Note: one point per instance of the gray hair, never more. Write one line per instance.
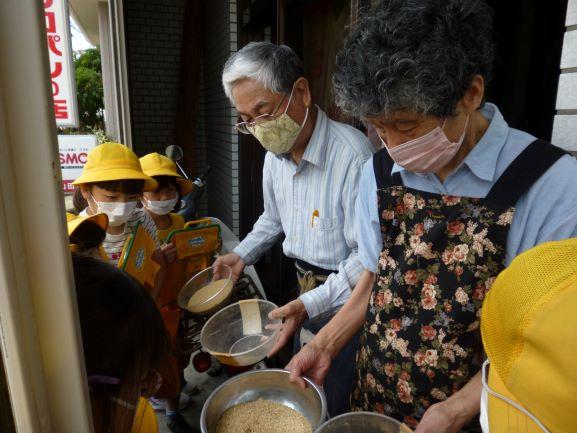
(275, 67)
(414, 55)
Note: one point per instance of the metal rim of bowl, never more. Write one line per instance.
(275, 333)
(364, 413)
(310, 383)
(229, 278)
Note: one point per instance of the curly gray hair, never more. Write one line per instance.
(414, 55)
(274, 66)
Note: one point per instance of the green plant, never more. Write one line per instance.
(89, 89)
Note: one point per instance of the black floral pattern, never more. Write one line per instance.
(420, 342)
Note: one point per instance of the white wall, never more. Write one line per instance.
(565, 125)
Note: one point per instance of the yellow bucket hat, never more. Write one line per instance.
(155, 164)
(75, 221)
(113, 161)
(529, 329)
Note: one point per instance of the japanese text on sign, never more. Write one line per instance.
(61, 68)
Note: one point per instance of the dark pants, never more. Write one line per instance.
(339, 382)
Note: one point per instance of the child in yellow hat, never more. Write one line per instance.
(161, 205)
(86, 234)
(528, 326)
(112, 182)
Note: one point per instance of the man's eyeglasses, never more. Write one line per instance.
(245, 127)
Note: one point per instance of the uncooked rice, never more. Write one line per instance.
(262, 416)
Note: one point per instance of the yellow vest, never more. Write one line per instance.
(177, 224)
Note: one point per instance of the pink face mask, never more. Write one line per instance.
(427, 154)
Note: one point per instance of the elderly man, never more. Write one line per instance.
(310, 178)
(452, 199)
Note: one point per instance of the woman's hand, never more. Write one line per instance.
(451, 415)
(312, 361)
(440, 418)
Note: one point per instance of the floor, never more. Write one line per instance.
(206, 384)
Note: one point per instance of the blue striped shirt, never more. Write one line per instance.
(313, 204)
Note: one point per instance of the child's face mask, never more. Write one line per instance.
(160, 207)
(118, 212)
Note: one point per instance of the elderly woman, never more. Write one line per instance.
(452, 198)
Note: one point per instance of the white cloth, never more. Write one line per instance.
(113, 244)
(314, 205)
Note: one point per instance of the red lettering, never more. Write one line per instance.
(61, 159)
(60, 109)
(50, 22)
(52, 39)
(48, 3)
(55, 88)
(82, 158)
(57, 70)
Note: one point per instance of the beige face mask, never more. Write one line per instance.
(279, 135)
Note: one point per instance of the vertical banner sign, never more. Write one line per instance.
(73, 153)
(62, 76)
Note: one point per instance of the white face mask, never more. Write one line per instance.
(484, 416)
(118, 212)
(160, 207)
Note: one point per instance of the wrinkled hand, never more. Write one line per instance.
(294, 314)
(312, 361)
(234, 261)
(169, 252)
(444, 417)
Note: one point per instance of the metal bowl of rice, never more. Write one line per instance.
(270, 385)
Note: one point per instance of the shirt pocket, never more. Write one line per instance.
(327, 237)
(324, 224)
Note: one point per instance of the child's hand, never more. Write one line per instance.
(169, 253)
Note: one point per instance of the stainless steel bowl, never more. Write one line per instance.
(269, 384)
(362, 422)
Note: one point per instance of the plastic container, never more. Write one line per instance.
(206, 292)
(241, 334)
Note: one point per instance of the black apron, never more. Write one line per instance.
(421, 340)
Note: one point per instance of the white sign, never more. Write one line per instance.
(62, 76)
(73, 153)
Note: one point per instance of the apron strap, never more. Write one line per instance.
(524, 171)
(382, 166)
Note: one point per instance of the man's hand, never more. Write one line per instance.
(444, 417)
(312, 361)
(234, 261)
(294, 314)
(169, 252)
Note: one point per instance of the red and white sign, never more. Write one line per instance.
(62, 75)
(73, 153)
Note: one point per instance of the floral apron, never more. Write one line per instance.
(421, 342)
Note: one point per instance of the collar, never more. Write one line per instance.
(316, 149)
(482, 160)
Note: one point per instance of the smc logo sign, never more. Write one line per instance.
(73, 158)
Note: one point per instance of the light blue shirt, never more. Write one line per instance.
(313, 204)
(547, 212)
